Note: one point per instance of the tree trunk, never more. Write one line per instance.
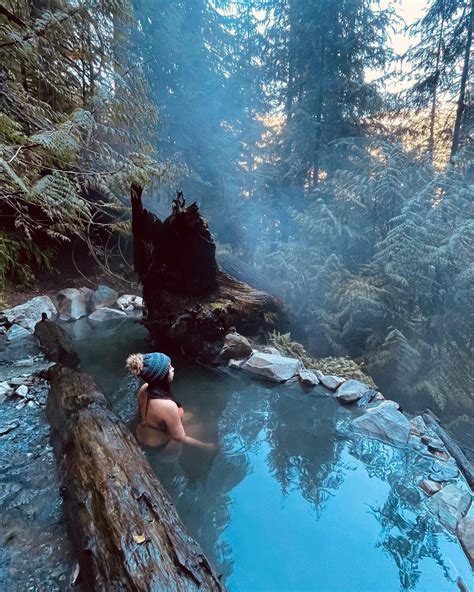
(190, 303)
(125, 530)
(462, 90)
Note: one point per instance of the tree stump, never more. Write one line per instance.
(190, 304)
(124, 528)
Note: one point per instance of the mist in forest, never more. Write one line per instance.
(329, 145)
(325, 144)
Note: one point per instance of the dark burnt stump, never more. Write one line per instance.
(190, 303)
(125, 530)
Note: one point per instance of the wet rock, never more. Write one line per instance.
(449, 505)
(236, 364)
(29, 313)
(383, 422)
(433, 443)
(8, 427)
(272, 367)
(236, 346)
(308, 377)
(415, 442)
(430, 487)
(5, 388)
(73, 303)
(267, 349)
(129, 302)
(444, 471)
(351, 391)
(367, 398)
(418, 426)
(332, 382)
(465, 532)
(22, 391)
(104, 314)
(17, 333)
(102, 297)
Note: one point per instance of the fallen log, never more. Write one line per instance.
(465, 466)
(124, 528)
(190, 304)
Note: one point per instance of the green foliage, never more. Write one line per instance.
(20, 259)
(75, 107)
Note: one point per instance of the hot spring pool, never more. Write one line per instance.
(286, 503)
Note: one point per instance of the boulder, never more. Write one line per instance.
(102, 297)
(235, 364)
(308, 377)
(129, 302)
(351, 391)
(465, 532)
(430, 487)
(272, 367)
(433, 443)
(449, 505)
(73, 303)
(29, 313)
(268, 349)
(332, 382)
(16, 333)
(444, 471)
(418, 426)
(383, 422)
(5, 388)
(22, 391)
(104, 314)
(236, 346)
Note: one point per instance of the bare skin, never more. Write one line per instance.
(160, 413)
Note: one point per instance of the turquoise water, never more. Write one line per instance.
(286, 503)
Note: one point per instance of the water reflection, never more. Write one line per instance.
(284, 484)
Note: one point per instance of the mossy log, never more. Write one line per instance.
(190, 304)
(124, 528)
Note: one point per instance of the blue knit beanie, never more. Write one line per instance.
(155, 367)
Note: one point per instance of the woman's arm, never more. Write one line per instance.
(177, 432)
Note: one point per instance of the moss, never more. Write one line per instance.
(270, 318)
(219, 305)
(342, 366)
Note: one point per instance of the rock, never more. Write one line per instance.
(383, 422)
(5, 388)
(56, 343)
(433, 443)
(332, 382)
(449, 505)
(430, 487)
(27, 314)
(367, 397)
(5, 429)
(351, 391)
(236, 346)
(418, 426)
(308, 377)
(465, 532)
(276, 368)
(102, 297)
(22, 391)
(268, 349)
(17, 333)
(444, 471)
(129, 302)
(379, 397)
(104, 314)
(73, 303)
(236, 364)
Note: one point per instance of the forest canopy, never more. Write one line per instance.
(334, 169)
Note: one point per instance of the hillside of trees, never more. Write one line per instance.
(328, 164)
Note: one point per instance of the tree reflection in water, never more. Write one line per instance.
(408, 531)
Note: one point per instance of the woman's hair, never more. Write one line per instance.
(134, 364)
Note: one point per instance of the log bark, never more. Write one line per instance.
(190, 303)
(466, 467)
(124, 528)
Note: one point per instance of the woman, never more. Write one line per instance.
(160, 422)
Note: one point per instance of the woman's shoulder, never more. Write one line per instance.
(164, 404)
